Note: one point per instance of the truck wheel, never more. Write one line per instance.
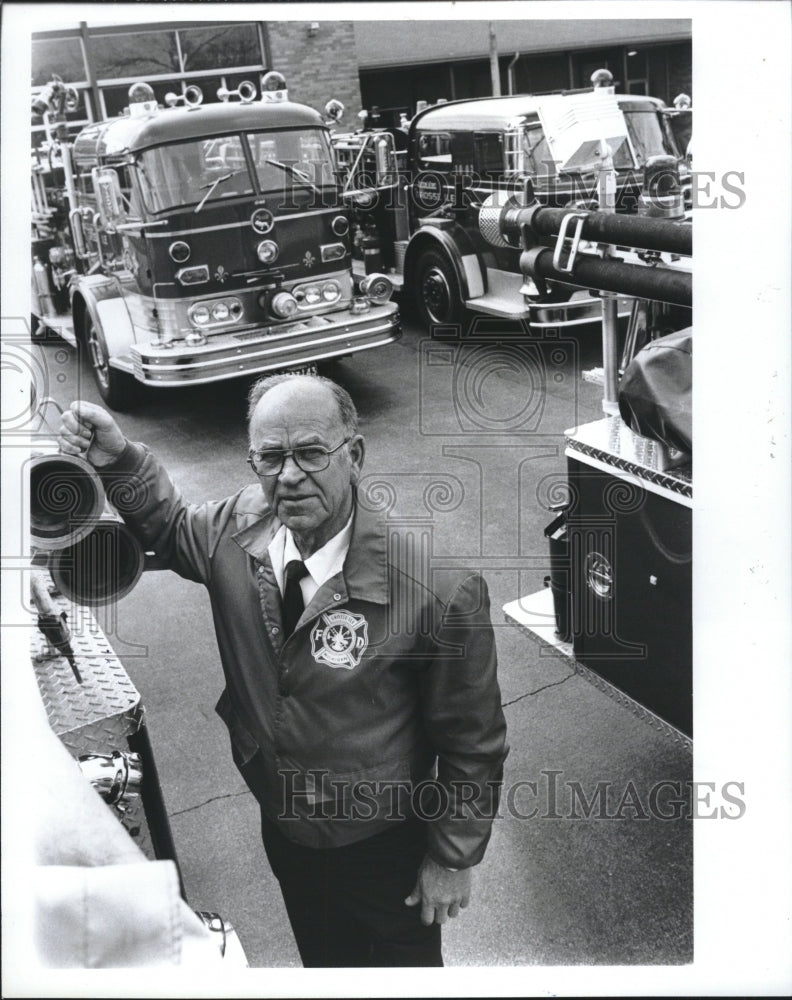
(118, 389)
(438, 297)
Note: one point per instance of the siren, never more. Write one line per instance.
(246, 92)
(56, 97)
(100, 568)
(92, 555)
(66, 500)
(192, 97)
(66, 496)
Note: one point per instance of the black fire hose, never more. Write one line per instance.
(609, 275)
(640, 231)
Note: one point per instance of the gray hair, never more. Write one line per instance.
(346, 408)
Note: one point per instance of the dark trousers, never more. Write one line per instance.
(346, 904)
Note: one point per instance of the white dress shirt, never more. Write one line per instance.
(323, 564)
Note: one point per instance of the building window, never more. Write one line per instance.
(136, 54)
(219, 47)
(62, 56)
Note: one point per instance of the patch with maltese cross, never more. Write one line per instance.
(339, 639)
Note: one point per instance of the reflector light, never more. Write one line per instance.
(217, 313)
(193, 275)
(332, 251)
(200, 314)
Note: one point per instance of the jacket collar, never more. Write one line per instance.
(365, 567)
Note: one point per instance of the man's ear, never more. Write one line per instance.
(357, 452)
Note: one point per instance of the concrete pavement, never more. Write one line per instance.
(486, 421)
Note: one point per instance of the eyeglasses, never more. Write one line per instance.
(308, 457)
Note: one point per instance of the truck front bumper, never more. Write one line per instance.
(291, 345)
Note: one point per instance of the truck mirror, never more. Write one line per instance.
(108, 196)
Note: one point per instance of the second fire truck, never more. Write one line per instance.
(424, 196)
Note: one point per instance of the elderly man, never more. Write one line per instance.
(362, 702)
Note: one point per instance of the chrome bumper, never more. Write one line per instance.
(290, 345)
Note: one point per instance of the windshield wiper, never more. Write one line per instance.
(212, 185)
(294, 172)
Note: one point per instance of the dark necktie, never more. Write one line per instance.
(293, 604)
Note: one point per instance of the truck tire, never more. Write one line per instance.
(119, 390)
(438, 297)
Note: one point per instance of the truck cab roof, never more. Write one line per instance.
(126, 134)
(493, 113)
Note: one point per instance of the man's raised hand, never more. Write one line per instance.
(90, 432)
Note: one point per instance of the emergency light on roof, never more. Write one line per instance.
(334, 110)
(141, 99)
(602, 78)
(273, 87)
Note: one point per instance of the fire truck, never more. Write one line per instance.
(196, 242)
(425, 196)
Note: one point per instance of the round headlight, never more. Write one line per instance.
(340, 225)
(284, 305)
(313, 295)
(267, 251)
(179, 252)
(331, 291)
(200, 314)
(220, 312)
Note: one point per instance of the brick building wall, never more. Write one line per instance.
(318, 66)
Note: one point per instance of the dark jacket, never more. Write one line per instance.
(384, 679)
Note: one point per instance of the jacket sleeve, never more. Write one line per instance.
(182, 535)
(465, 722)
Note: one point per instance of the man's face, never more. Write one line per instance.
(313, 505)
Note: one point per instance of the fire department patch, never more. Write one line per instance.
(339, 639)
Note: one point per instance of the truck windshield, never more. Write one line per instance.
(189, 173)
(646, 132)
